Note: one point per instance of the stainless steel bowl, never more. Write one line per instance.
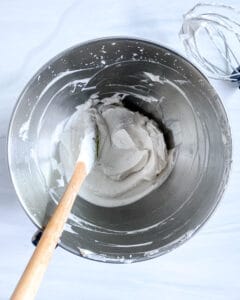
(188, 110)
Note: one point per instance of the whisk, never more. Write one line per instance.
(211, 35)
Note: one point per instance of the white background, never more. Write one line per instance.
(207, 266)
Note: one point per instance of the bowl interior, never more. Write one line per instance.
(186, 108)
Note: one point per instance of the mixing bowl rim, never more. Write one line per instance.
(222, 188)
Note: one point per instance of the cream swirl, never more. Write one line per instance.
(132, 155)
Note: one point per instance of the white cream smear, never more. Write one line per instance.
(132, 157)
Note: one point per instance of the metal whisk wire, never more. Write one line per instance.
(220, 24)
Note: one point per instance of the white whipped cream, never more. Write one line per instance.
(132, 158)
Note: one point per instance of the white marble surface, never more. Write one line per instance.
(207, 266)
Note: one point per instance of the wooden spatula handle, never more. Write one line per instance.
(28, 284)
